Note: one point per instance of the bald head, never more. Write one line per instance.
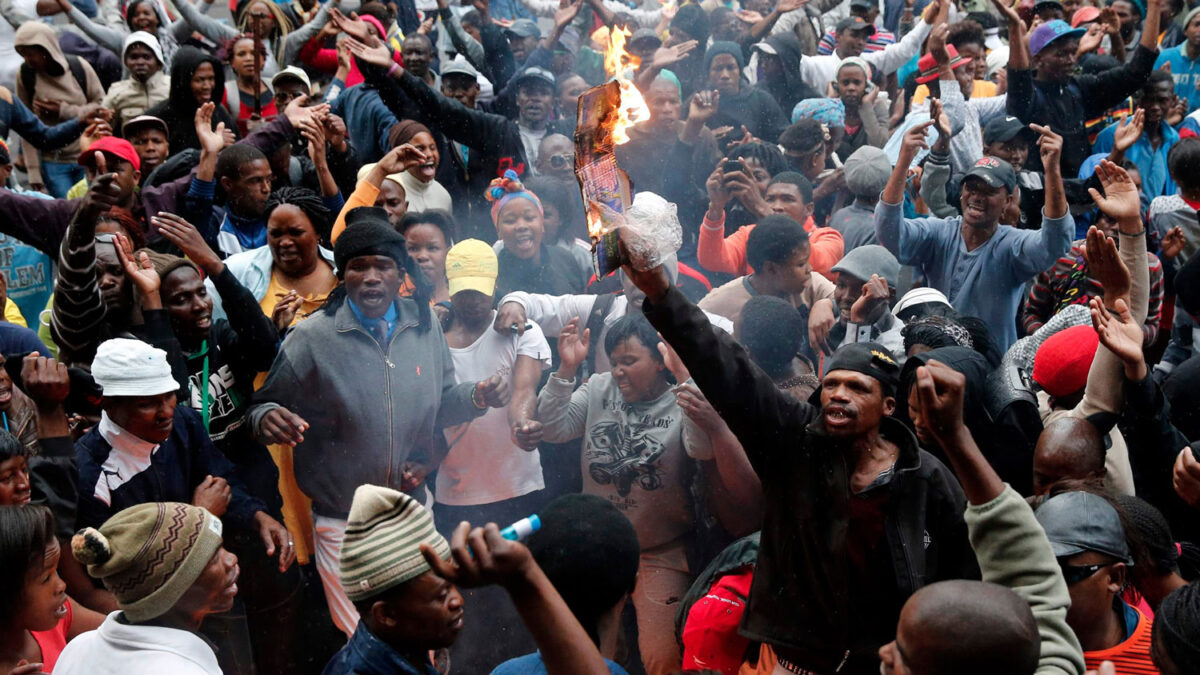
(1068, 448)
(955, 627)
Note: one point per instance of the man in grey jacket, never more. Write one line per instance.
(362, 390)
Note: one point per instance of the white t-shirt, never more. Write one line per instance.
(531, 139)
(118, 648)
(483, 465)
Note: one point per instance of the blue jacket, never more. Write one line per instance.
(15, 116)
(367, 121)
(1185, 71)
(366, 654)
(1151, 162)
(178, 465)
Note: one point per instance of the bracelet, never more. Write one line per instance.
(1136, 234)
(478, 399)
(392, 71)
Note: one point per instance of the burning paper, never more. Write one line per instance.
(605, 114)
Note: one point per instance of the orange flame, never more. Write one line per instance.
(595, 225)
(619, 64)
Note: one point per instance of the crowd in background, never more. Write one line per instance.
(300, 314)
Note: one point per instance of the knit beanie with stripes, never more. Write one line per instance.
(383, 537)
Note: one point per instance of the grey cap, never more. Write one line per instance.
(524, 28)
(867, 171)
(535, 73)
(1077, 522)
(869, 259)
(459, 67)
(645, 34)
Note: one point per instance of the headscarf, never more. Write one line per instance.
(403, 132)
(856, 61)
(503, 190)
(830, 112)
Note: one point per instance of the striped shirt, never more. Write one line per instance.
(1132, 655)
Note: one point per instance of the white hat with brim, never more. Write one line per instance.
(126, 367)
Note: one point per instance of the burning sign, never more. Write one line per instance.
(604, 117)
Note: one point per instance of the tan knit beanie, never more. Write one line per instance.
(382, 545)
(149, 554)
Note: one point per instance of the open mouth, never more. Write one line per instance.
(457, 622)
(836, 417)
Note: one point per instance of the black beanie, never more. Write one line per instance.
(368, 234)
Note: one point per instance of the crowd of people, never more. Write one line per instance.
(306, 366)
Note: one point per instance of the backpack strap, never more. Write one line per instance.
(77, 72)
(595, 322)
(28, 80)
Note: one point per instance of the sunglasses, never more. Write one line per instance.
(562, 161)
(1074, 574)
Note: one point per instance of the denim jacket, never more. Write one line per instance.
(366, 654)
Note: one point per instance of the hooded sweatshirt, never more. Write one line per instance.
(753, 107)
(179, 110)
(792, 89)
(57, 85)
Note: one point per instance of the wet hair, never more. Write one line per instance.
(1176, 632)
(1183, 162)
(435, 217)
(378, 10)
(1157, 77)
(633, 326)
(309, 202)
(799, 180)
(25, 534)
(11, 447)
(123, 218)
(589, 551)
(768, 156)
(774, 239)
(229, 47)
(965, 32)
(231, 159)
(804, 135)
(774, 332)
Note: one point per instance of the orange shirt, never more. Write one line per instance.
(1131, 656)
(718, 253)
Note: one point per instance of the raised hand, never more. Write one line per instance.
(672, 361)
(355, 28)
(1128, 130)
(314, 133)
(941, 122)
(786, 6)
(1173, 243)
(214, 494)
(1091, 39)
(1121, 335)
(1008, 11)
(940, 389)
(1105, 266)
(1110, 21)
(141, 272)
(872, 303)
(718, 194)
(567, 12)
(1120, 200)
(103, 192)
(695, 405)
(373, 52)
(402, 158)
(1050, 144)
(914, 142)
(211, 140)
(665, 57)
(335, 132)
(480, 557)
(183, 234)
(94, 132)
(285, 309)
(937, 43)
(572, 347)
(704, 105)
(45, 380)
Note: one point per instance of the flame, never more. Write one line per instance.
(595, 225)
(619, 64)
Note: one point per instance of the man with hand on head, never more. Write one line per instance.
(403, 578)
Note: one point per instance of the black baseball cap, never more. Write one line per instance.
(869, 358)
(1004, 129)
(995, 172)
(855, 23)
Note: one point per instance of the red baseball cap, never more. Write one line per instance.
(113, 146)
(1084, 15)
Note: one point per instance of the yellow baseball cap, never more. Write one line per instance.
(471, 265)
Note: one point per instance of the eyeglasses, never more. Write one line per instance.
(562, 161)
(1074, 574)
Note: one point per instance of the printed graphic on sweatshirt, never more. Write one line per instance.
(223, 400)
(624, 454)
